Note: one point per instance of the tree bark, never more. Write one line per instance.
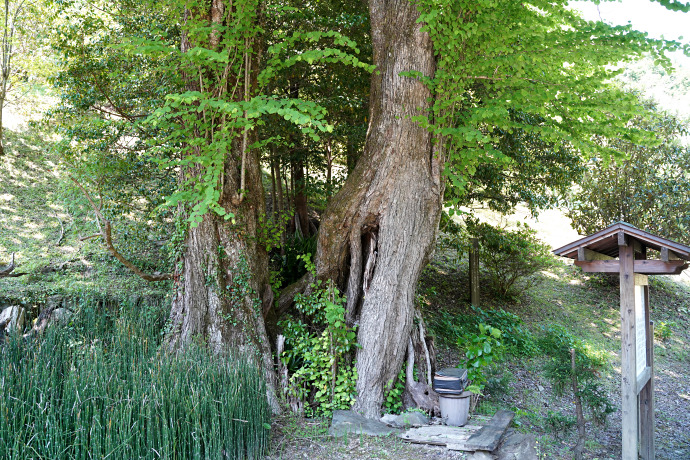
(380, 228)
(223, 293)
(300, 199)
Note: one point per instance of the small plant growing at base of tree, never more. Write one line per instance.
(392, 403)
(317, 349)
(480, 351)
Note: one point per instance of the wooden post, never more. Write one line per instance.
(474, 272)
(629, 402)
(647, 392)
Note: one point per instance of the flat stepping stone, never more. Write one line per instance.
(468, 438)
(346, 422)
(488, 437)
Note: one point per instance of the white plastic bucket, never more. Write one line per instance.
(455, 408)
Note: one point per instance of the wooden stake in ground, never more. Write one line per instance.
(579, 447)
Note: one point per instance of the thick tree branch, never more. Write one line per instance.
(287, 296)
(7, 271)
(62, 231)
(106, 233)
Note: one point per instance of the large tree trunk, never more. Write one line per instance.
(223, 293)
(380, 229)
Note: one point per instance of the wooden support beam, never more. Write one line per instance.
(647, 395)
(599, 266)
(587, 254)
(629, 401)
(622, 238)
(667, 255)
(659, 267)
(644, 267)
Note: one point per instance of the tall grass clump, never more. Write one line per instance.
(100, 387)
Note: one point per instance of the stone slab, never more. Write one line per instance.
(489, 436)
(346, 422)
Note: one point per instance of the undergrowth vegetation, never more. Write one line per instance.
(317, 347)
(101, 386)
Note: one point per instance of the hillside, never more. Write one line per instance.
(42, 220)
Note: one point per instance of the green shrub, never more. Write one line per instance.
(662, 330)
(518, 340)
(316, 353)
(103, 388)
(498, 382)
(558, 423)
(392, 402)
(480, 349)
(292, 266)
(514, 335)
(447, 327)
(510, 257)
(557, 342)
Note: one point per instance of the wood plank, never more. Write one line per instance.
(667, 255)
(628, 348)
(644, 377)
(587, 254)
(664, 253)
(598, 266)
(659, 267)
(644, 267)
(489, 436)
(440, 435)
(622, 238)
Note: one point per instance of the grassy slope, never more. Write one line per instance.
(35, 198)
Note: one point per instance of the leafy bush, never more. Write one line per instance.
(292, 265)
(558, 423)
(510, 256)
(662, 330)
(557, 342)
(107, 391)
(480, 351)
(515, 336)
(316, 353)
(498, 381)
